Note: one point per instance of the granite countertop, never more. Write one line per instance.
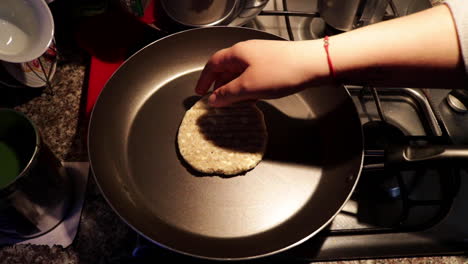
(58, 112)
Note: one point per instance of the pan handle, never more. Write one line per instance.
(426, 156)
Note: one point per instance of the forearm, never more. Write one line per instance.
(420, 50)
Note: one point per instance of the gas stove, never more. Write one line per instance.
(392, 213)
(417, 212)
(406, 213)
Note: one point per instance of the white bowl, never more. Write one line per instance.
(26, 29)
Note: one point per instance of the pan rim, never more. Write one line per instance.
(270, 253)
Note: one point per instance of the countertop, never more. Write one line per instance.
(58, 112)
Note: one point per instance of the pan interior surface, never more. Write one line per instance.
(310, 167)
(212, 206)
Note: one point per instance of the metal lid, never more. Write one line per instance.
(199, 13)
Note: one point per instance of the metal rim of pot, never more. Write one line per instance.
(219, 21)
(10, 186)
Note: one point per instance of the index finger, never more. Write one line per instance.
(210, 72)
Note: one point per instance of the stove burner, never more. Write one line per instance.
(378, 135)
(392, 200)
(379, 193)
(378, 196)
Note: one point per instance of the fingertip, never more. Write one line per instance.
(199, 91)
(216, 100)
(206, 78)
(203, 83)
(212, 99)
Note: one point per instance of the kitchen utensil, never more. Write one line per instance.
(26, 29)
(34, 188)
(309, 171)
(311, 166)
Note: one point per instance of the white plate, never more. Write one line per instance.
(26, 29)
(31, 73)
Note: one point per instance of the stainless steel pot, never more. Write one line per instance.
(346, 15)
(35, 191)
(203, 13)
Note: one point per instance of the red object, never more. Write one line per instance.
(100, 71)
(149, 13)
(107, 38)
(326, 43)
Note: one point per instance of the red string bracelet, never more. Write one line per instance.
(330, 63)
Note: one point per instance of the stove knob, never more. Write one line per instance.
(458, 100)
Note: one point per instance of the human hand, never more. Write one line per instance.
(262, 69)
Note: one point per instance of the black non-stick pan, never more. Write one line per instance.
(311, 166)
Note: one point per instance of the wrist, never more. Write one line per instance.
(317, 62)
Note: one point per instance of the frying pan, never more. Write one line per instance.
(311, 166)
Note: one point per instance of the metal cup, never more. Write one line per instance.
(35, 191)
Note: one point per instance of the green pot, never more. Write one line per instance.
(35, 191)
